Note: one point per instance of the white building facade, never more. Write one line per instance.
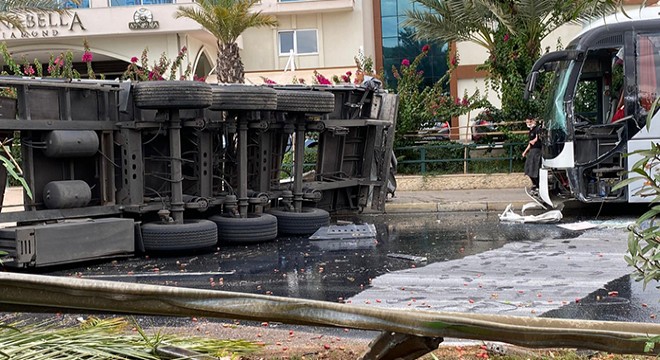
(322, 35)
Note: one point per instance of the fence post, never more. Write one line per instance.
(466, 152)
(422, 157)
(510, 158)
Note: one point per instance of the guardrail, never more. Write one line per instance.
(407, 334)
(453, 157)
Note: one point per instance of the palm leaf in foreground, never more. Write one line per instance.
(100, 339)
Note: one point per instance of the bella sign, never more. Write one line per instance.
(42, 26)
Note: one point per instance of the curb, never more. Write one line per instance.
(393, 208)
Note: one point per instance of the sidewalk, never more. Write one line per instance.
(456, 200)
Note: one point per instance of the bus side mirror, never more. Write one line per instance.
(531, 84)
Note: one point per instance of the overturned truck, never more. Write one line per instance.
(117, 168)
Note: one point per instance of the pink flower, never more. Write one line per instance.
(87, 57)
(345, 78)
(29, 70)
(58, 61)
(405, 62)
(426, 48)
(420, 73)
(197, 78)
(302, 81)
(506, 37)
(454, 61)
(465, 101)
(348, 73)
(154, 76)
(321, 80)
(458, 101)
(134, 59)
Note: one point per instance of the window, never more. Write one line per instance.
(300, 41)
(139, 2)
(72, 4)
(648, 69)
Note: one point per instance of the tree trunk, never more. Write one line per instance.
(229, 66)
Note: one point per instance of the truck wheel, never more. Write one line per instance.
(243, 97)
(172, 95)
(192, 234)
(319, 102)
(301, 223)
(252, 229)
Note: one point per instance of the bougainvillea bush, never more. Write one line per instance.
(423, 107)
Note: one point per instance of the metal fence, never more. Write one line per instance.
(453, 158)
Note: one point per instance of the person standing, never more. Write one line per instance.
(533, 153)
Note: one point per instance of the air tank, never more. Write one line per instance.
(67, 194)
(71, 143)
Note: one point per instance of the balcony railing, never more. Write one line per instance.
(304, 6)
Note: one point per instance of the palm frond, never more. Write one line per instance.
(12, 11)
(592, 10)
(452, 20)
(100, 339)
(226, 19)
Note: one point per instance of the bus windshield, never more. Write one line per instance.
(555, 115)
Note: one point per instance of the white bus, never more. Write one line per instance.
(601, 89)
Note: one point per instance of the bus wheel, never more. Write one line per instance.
(253, 229)
(301, 223)
(318, 102)
(243, 97)
(172, 95)
(192, 234)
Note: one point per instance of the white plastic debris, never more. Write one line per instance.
(532, 205)
(548, 217)
(582, 225)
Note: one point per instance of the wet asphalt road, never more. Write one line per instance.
(472, 263)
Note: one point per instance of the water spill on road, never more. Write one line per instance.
(334, 270)
(326, 270)
(622, 299)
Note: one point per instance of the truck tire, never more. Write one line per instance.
(301, 223)
(172, 95)
(243, 97)
(318, 102)
(192, 234)
(253, 229)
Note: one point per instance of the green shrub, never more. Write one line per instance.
(309, 165)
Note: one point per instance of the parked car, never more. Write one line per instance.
(440, 131)
(484, 130)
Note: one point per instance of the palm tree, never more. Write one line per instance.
(11, 10)
(478, 20)
(226, 20)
